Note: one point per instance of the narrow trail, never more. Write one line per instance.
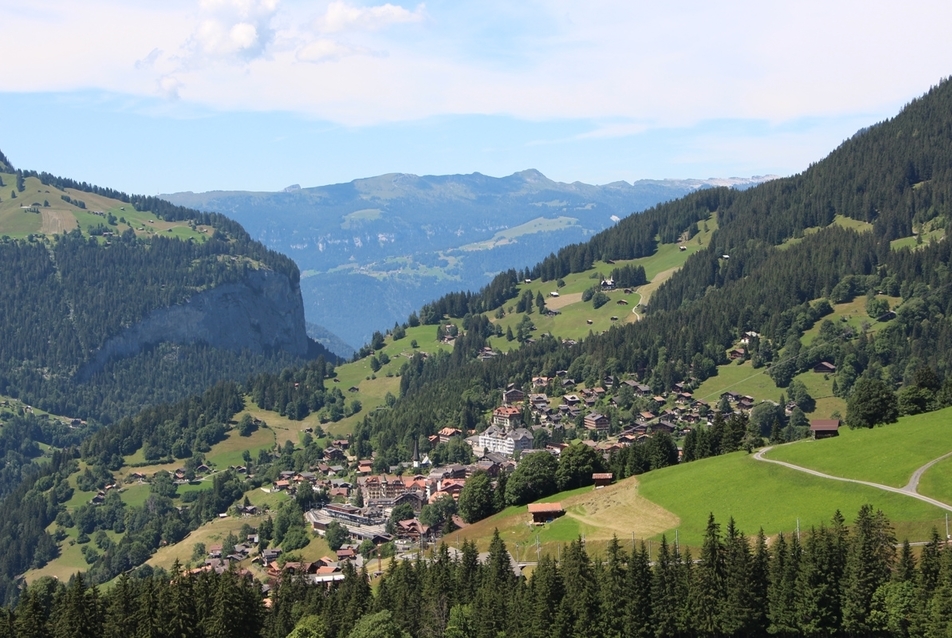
(908, 490)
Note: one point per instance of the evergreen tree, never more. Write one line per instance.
(869, 560)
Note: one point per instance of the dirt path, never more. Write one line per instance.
(908, 490)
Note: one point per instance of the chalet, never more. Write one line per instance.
(825, 428)
(416, 500)
(824, 368)
(608, 284)
(334, 454)
(601, 479)
(545, 512)
(622, 302)
(736, 354)
(512, 396)
(346, 553)
(597, 422)
(571, 399)
(540, 382)
(663, 426)
(507, 417)
(448, 433)
(412, 529)
(646, 416)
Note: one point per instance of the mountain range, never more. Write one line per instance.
(402, 240)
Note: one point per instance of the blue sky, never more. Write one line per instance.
(154, 97)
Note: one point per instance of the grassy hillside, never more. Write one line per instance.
(764, 495)
(578, 319)
(756, 494)
(887, 454)
(41, 209)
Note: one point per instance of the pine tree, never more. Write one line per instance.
(612, 586)
(708, 585)
(781, 594)
(869, 560)
(638, 602)
(121, 610)
(546, 592)
(31, 617)
(665, 593)
(578, 611)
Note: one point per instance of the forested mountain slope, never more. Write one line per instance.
(774, 266)
(112, 302)
(404, 239)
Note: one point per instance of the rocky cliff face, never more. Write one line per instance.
(262, 313)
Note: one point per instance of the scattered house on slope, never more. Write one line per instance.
(597, 422)
(824, 368)
(545, 512)
(507, 417)
(825, 428)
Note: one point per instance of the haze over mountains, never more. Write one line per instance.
(401, 240)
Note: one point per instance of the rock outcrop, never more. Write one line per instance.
(262, 313)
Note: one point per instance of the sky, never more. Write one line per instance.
(160, 96)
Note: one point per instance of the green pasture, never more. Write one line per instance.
(764, 495)
(888, 454)
(937, 481)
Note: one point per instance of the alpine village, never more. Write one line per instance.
(727, 415)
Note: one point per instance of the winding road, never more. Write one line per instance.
(909, 489)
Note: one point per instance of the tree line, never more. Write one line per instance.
(831, 580)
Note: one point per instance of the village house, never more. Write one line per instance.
(825, 428)
(513, 395)
(519, 440)
(507, 417)
(596, 422)
(545, 512)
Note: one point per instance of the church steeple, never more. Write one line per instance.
(416, 453)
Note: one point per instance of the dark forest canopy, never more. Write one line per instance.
(835, 580)
(68, 295)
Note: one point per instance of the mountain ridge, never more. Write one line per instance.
(400, 237)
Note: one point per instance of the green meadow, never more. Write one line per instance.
(888, 454)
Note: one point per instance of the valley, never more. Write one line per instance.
(756, 378)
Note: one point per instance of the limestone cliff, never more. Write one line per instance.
(262, 313)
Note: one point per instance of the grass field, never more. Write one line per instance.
(937, 481)
(764, 495)
(852, 313)
(537, 225)
(60, 217)
(597, 515)
(887, 454)
(575, 315)
(739, 378)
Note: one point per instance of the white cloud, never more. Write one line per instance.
(341, 16)
(326, 50)
(626, 64)
(238, 29)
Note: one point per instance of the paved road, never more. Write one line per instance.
(913, 485)
(908, 490)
